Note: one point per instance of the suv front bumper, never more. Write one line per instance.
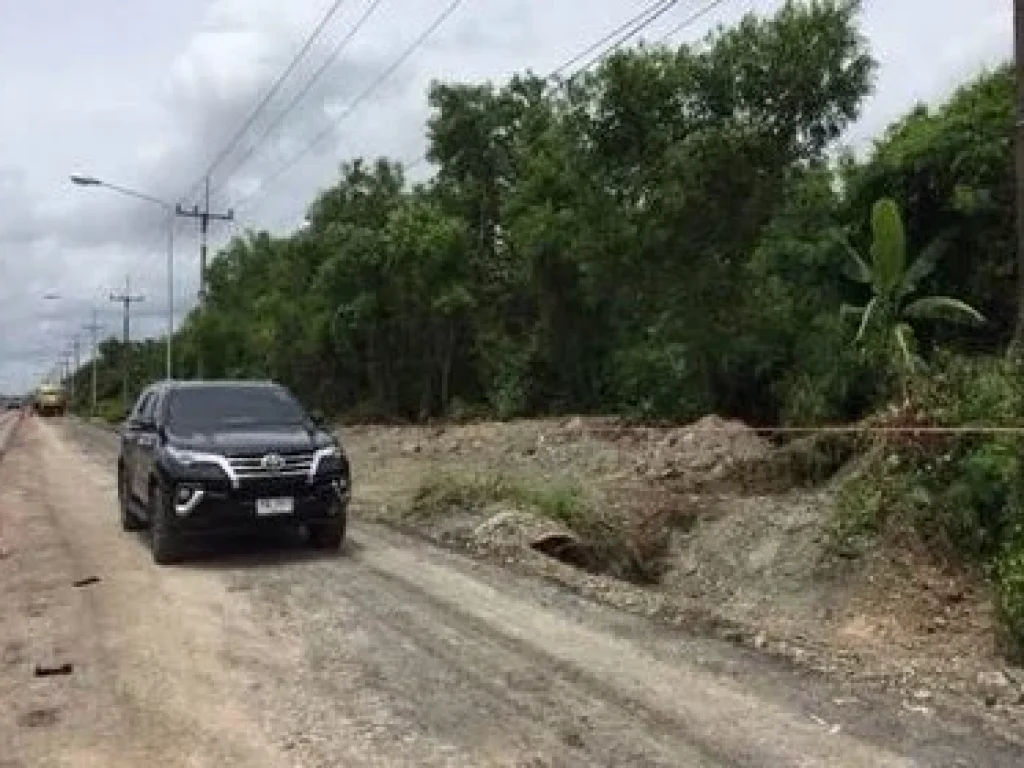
(204, 506)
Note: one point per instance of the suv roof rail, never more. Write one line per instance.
(185, 383)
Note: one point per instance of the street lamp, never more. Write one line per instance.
(91, 181)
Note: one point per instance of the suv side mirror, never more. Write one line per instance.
(140, 423)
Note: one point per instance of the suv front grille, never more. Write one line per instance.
(257, 467)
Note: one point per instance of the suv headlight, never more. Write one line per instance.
(190, 458)
(330, 460)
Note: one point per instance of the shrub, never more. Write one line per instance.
(655, 378)
(963, 495)
(1009, 583)
(971, 390)
(110, 411)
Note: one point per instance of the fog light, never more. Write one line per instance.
(186, 498)
(341, 489)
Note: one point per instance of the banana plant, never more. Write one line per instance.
(893, 282)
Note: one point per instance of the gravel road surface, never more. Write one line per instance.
(392, 652)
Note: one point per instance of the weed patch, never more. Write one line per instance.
(622, 542)
(445, 494)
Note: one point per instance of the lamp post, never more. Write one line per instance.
(92, 181)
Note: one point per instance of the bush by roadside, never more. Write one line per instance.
(961, 495)
(110, 411)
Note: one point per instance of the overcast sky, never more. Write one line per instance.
(143, 94)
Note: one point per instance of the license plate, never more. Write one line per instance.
(275, 506)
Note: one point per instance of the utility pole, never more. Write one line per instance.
(1017, 345)
(76, 356)
(94, 327)
(126, 299)
(205, 217)
(65, 370)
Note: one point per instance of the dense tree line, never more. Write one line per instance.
(665, 236)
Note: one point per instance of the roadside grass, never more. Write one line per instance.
(110, 411)
(618, 541)
(441, 495)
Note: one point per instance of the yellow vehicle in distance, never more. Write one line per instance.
(51, 400)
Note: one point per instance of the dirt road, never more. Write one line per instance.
(391, 653)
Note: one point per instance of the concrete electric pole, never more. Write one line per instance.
(94, 328)
(126, 299)
(76, 354)
(205, 217)
(65, 370)
(1017, 345)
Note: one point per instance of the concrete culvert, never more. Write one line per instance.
(564, 547)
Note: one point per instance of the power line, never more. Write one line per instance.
(663, 5)
(645, 18)
(692, 19)
(412, 48)
(632, 27)
(646, 22)
(247, 124)
(338, 50)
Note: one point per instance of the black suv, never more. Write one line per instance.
(207, 456)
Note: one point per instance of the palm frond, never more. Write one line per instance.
(923, 265)
(905, 342)
(854, 268)
(848, 310)
(869, 312)
(944, 308)
(889, 246)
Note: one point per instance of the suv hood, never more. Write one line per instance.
(251, 440)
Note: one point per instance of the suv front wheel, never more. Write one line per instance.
(163, 538)
(329, 535)
(129, 520)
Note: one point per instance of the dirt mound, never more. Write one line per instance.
(709, 448)
(720, 437)
(754, 556)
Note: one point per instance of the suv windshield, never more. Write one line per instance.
(228, 407)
